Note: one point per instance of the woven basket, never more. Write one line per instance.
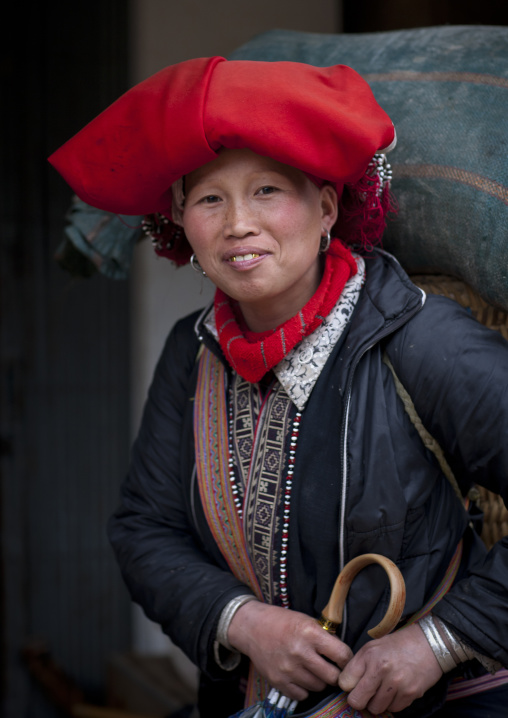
(495, 512)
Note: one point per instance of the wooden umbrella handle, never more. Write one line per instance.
(333, 611)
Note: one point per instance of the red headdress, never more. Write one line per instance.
(323, 121)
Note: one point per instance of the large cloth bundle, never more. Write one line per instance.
(446, 89)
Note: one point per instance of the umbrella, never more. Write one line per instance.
(277, 705)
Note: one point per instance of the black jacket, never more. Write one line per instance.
(363, 480)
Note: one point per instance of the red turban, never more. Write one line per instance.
(324, 121)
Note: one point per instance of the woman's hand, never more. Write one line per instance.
(288, 648)
(391, 672)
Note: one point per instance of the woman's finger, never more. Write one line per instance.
(298, 687)
(330, 646)
(352, 673)
(309, 681)
(391, 698)
(327, 672)
(366, 685)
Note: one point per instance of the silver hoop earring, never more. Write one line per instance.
(196, 265)
(324, 245)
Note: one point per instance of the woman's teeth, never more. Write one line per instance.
(244, 257)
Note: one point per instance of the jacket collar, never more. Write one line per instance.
(299, 371)
(387, 301)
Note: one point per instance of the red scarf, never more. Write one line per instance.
(252, 354)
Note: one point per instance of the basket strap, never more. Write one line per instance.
(443, 588)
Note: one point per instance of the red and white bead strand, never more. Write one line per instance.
(231, 465)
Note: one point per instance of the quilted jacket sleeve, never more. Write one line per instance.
(164, 563)
(456, 372)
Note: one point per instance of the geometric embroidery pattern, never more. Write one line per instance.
(260, 431)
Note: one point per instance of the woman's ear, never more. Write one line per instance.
(329, 206)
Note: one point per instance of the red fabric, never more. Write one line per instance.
(323, 121)
(252, 354)
(127, 158)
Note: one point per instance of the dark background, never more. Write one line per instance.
(64, 361)
(64, 342)
(380, 15)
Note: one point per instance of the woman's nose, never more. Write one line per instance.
(241, 220)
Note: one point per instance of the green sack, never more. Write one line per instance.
(97, 241)
(446, 90)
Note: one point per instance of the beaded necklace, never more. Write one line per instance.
(287, 502)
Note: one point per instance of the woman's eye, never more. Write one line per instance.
(266, 190)
(210, 199)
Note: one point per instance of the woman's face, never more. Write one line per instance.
(255, 226)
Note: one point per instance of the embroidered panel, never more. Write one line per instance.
(245, 403)
(264, 429)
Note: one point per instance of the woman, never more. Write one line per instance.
(274, 446)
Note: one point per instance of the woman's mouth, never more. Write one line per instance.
(244, 257)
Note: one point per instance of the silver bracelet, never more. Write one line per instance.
(461, 651)
(227, 616)
(465, 652)
(438, 646)
(227, 662)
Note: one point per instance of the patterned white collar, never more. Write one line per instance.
(299, 371)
